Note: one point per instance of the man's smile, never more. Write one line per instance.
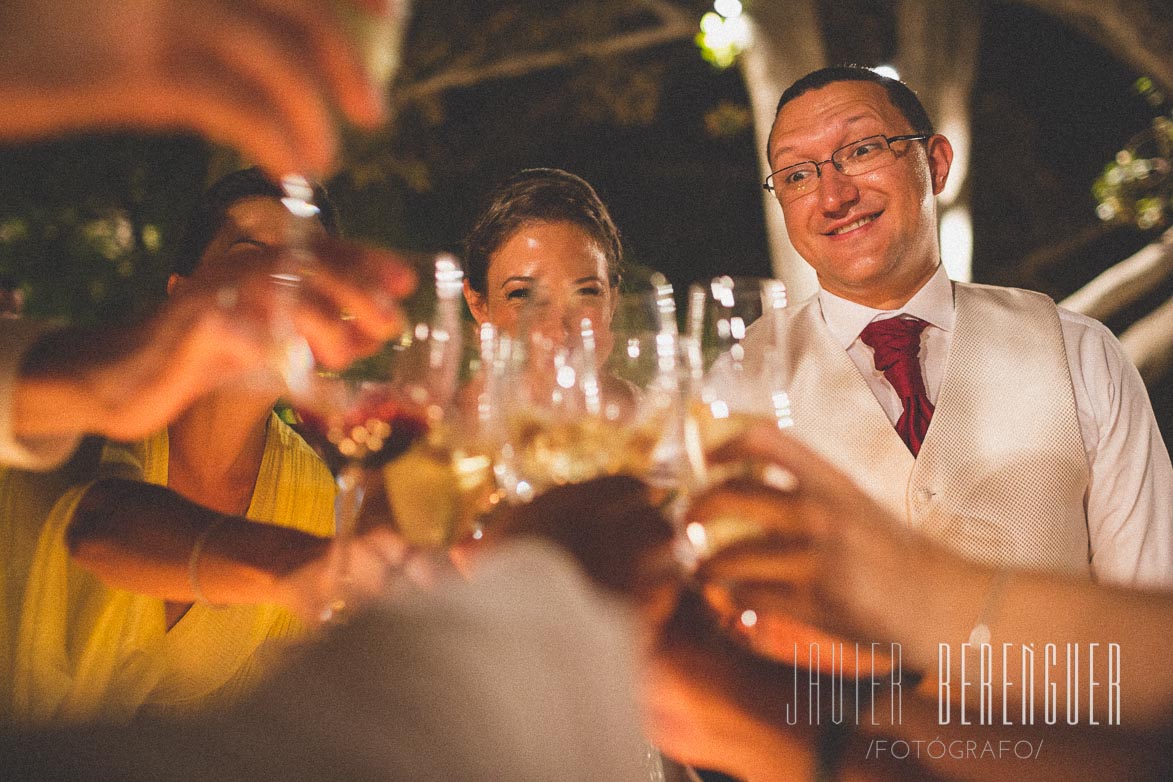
(854, 225)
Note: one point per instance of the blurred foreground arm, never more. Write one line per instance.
(525, 674)
(127, 383)
(143, 538)
(262, 76)
(829, 556)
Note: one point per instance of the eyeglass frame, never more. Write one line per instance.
(768, 187)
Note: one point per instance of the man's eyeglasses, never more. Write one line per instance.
(858, 157)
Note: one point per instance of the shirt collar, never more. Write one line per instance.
(933, 303)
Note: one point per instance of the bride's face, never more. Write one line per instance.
(554, 273)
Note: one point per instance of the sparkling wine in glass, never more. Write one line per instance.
(375, 410)
(738, 372)
(440, 491)
(590, 393)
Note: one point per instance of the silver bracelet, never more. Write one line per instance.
(193, 562)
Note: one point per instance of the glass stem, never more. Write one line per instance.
(292, 357)
(347, 501)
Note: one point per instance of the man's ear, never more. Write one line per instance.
(940, 153)
(172, 282)
(478, 303)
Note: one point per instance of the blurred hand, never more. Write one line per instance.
(609, 525)
(374, 559)
(709, 703)
(127, 383)
(823, 554)
(262, 76)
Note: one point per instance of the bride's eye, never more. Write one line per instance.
(518, 294)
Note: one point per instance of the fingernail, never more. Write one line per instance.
(779, 478)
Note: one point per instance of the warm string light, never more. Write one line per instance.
(724, 33)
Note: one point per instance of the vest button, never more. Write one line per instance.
(922, 496)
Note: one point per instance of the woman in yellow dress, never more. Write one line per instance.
(154, 589)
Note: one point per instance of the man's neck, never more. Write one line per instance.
(885, 297)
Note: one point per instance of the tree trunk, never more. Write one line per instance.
(1125, 283)
(787, 44)
(937, 57)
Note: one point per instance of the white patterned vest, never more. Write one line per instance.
(1002, 473)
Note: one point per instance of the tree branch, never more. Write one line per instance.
(1149, 343)
(669, 12)
(1126, 282)
(678, 29)
(1041, 260)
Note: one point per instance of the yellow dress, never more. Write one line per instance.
(81, 650)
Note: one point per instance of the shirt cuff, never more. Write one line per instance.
(45, 453)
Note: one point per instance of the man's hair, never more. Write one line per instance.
(208, 217)
(899, 93)
(539, 195)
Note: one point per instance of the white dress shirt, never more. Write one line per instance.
(1129, 500)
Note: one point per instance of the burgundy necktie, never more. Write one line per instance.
(896, 342)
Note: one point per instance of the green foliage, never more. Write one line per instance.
(87, 225)
(1137, 186)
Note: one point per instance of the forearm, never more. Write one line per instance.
(17, 449)
(65, 385)
(141, 538)
(126, 383)
(1113, 640)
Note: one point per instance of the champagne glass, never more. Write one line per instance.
(590, 393)
(738, 375)
(368, 414)
(377, 408)
(440, 490)
(375, 31)
(586, 392)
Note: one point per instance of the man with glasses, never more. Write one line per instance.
(1015, 432)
